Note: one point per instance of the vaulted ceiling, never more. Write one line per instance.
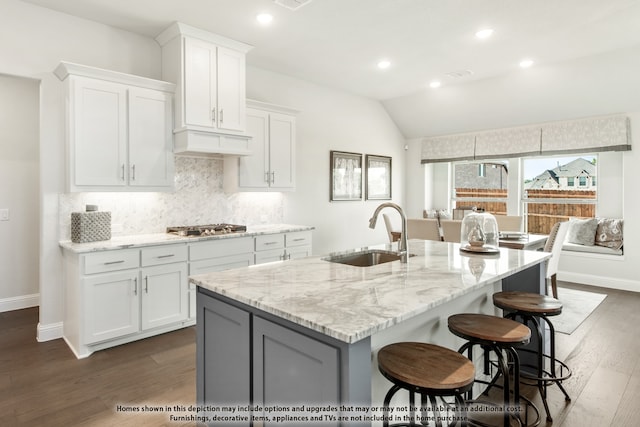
(338, 43)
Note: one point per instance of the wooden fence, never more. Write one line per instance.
(495, 208)
(540, 216)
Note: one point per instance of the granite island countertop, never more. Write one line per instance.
(350, 303)
(153, 239)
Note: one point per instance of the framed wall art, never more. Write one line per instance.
(346, 176)
(378, 177)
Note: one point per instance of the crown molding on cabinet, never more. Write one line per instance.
(64, 69)
(178, 28)
(260, 105)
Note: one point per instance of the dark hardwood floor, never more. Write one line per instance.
(43, 384)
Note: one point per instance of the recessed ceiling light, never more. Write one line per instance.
(384, 64)
(264, 18)
(526, 63)
(485, 33)
(435, 84)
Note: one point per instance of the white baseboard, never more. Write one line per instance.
(50, 332)
(18, 303)
(602, 281)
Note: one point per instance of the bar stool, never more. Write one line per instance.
(529, 307)
(500, 336)
(433, 372)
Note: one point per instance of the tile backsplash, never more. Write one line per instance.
(198, 199)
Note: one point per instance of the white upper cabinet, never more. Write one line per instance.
(97, 133)
(271, 166)
(150, 138)
(118, 130)
(209, 71)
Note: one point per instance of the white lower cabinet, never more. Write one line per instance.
(111, 305)
(164, 295)
(218, 255)
(283, 246)
(118, 296)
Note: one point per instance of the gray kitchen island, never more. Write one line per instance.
(295, 342)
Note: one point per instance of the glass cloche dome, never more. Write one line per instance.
(479, 233)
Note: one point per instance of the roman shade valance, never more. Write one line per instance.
(449, 148)
(606, 133)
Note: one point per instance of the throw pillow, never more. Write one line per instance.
(609, 233)
(582, 231)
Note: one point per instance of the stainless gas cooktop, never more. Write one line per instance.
(206, 230)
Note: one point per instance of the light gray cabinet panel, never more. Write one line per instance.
(243, 352)
(223, 355)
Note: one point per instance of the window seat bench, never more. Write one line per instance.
(590, 249)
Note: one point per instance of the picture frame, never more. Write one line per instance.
(346, 176)
(378, 177)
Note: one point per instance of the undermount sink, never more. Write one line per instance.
(365, 258)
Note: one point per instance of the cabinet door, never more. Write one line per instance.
(298, 252)
(98, 132)
(292, 369)
(111, 305)
(150, 143)
(199, 83)
(254, 169)
(273, 255)
(165, 295)
(282, 151)
(231, 89)
(223, 354)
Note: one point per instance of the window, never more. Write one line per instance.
(550, 194)
(482, 185)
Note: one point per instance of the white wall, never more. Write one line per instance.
(19, 172)
(332, 120)
(33, 40)
(598, 85)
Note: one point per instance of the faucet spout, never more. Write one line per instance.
(403, 247)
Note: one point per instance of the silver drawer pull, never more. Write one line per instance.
(114, 262)
(166, 256)
(270, 243)
(299, 240)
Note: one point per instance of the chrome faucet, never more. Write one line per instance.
(403, 247)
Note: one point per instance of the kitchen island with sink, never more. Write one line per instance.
(305, 333)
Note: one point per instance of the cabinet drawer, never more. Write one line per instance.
(220, 263)
(106, 261)
(269, 242)
(219, 248)
(301, 238)
(164, 254)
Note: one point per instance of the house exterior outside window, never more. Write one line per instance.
(482, 185)
(553, 196)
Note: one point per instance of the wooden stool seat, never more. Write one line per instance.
(527, 303)
(430, 367)
(499, 336)
(431, 371)
(492, 329)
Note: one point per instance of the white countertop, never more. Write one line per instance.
(140, 240)
(351, 303)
